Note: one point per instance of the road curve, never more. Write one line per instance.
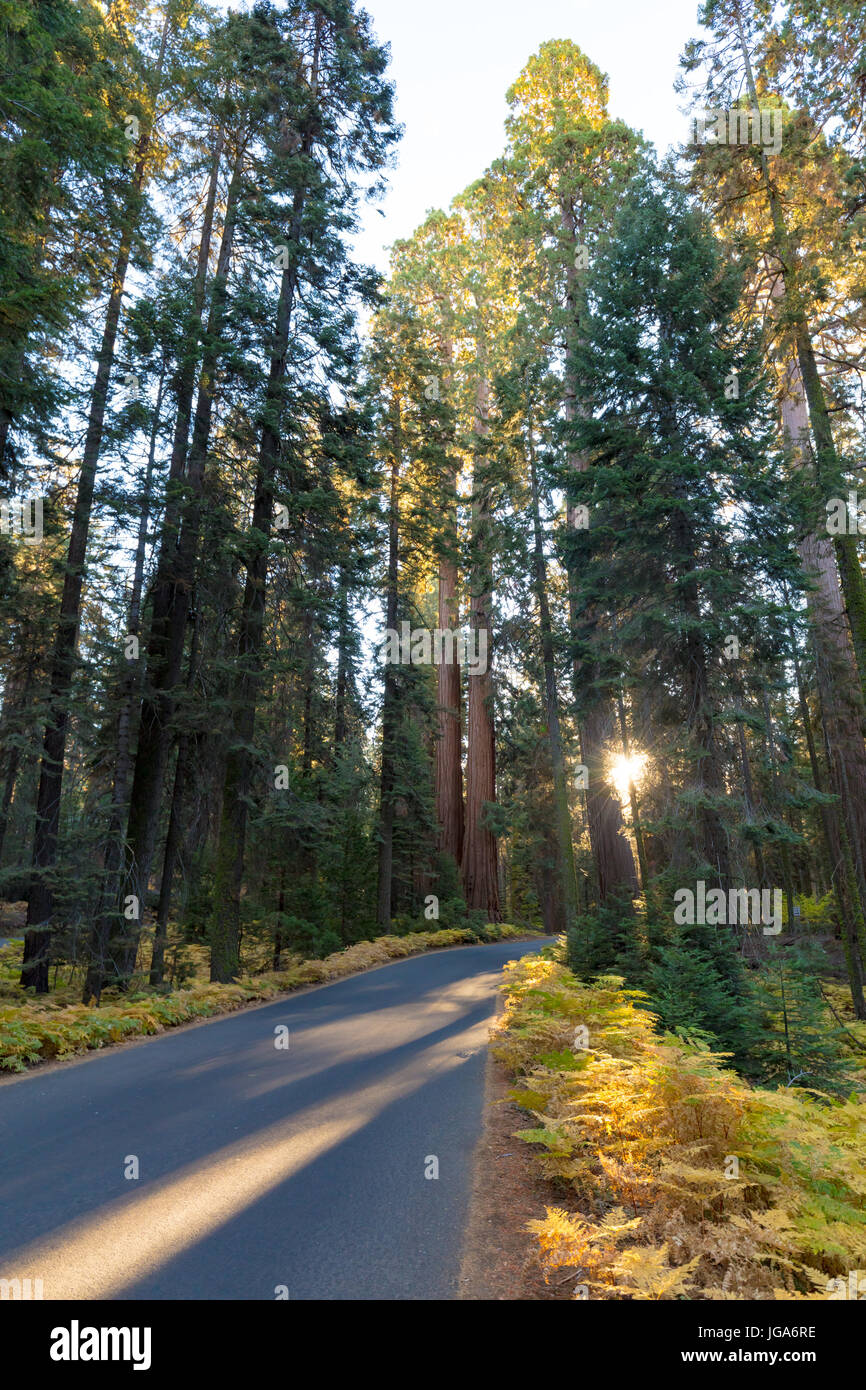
(271, 1164)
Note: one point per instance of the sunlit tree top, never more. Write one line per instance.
(560, 89)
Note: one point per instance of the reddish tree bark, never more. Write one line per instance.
(389, 705)
(842, 710)
(480, 876)
(449, 763)
(449, 746)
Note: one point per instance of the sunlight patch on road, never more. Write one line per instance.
(100, 1255)
(364, 1037)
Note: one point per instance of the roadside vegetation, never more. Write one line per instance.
(672, 1176)
(37, 1029)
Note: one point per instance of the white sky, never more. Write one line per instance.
(453, 60)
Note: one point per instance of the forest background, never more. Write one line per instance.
(604, 413)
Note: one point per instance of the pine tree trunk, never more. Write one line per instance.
(827, 815)
(108, 918)
(774, 770)
(549, 878)
(12, 766)
(709, 780)
(5, 424)
(637, 825)
(171, 856)
(343, 656)
(40, 905)
(749, 797)
(281, 908)
(174, 835)
(611, 852)
(15, 707)
(231, 845)
(176, 563)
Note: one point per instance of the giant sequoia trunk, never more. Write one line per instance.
(387, 777)
(480, 874)
(449, 762)
(842, 710)
(40, 904)
(809, 388)
(836, 667)
(827, 470)
(449, 746)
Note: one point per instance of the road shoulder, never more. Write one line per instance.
(499, 1255)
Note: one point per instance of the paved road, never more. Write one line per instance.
(261, 1167)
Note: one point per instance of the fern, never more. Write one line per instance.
(645, 1130)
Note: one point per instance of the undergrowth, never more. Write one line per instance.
(681, 1179)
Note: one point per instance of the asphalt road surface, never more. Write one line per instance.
(265, 1170)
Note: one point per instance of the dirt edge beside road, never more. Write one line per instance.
(499, 1254)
